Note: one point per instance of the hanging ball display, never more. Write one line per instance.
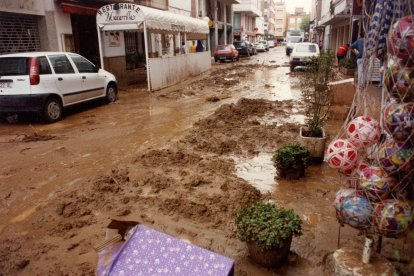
(400, 82)
(353, 175)
(356, 211)
(376, 183)
(401, 38)
(399, 120)
(341, 154)
(341, 195)
(392, 217)
(396, 156)
(363, 131)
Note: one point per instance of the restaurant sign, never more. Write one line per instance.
(119, 13)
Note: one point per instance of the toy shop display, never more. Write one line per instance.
(392, 217)
(342, 154)
(363, 131)
(401, 39)
(396, 156)
(398, 120)
(376, 183)
(356, 211)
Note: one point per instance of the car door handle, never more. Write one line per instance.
(59, 79)
(83, 77)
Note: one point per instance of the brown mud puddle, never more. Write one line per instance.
(187, 184)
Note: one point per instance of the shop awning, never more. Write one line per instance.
(123, 14)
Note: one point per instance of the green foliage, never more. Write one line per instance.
(267, 224)
(305, 23)
(315, 91)
(290, 156)
(347, 63)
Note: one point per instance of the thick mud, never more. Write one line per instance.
(181, 160)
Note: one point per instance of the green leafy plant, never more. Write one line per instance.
(315, 92)
(347, 63)
(267, 225)
(291, 156)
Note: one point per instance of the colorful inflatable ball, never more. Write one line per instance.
(398, 120)
(400, 42)
(356, 211)
(363, 131)
(392, 217)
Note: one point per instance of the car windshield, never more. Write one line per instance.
(306, 48)
(262, 41)
(238, 43)
(223, 47)
(14, 66)
(294, 39)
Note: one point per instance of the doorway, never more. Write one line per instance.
(85, 37)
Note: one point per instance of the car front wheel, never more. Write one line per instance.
(111, 93)
(52, 111)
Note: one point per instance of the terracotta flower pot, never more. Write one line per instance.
(274, 257)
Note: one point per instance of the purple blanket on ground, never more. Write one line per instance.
(149, 252)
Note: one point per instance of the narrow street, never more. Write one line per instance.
(180, 160)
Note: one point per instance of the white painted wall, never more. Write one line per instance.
(23, 6)
(180, 7)
(172, 70)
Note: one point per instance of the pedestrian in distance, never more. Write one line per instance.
(199, 47)
(192, 47)
(184, 48)
(341, 52)
(358, 48)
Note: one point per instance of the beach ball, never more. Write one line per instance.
(376, 183)
(398, 120)
(341, 195)
(341, 154)
(356, 211)
(363, 131)
(401, 38)
(400, 82)
(396, 156)
(392, 217)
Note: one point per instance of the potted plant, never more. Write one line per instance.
(347, 66)
(314, 85)
(291, 161)
(267, 230)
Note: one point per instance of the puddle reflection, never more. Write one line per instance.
(258, 171)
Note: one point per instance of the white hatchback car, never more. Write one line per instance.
(46, 82)
(302, 53)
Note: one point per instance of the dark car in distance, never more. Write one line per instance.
(225, 52)
(244, 47)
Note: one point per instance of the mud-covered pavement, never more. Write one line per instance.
(180, 160)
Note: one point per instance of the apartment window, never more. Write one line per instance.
(279, 30)
(279, 21)
(236, 21)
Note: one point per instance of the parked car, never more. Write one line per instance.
(47, 82)
(260, 47)
(265, 43)
(302, 54)
(290, 43)
(225, 52)
(244, 47)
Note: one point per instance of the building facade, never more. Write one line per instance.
(245, 14)
(219, 14)
(295, 19)
(280, 20)
(269, 15)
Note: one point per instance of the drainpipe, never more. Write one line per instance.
(225, 23)
(215, 25)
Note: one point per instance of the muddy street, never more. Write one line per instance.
(180, 160)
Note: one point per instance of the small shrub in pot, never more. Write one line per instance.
(291, 160)
(268, 231)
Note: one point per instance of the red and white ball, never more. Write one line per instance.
(341, 154)
(353, 175)
(363, 131)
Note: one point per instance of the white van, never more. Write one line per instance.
(46, 82)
